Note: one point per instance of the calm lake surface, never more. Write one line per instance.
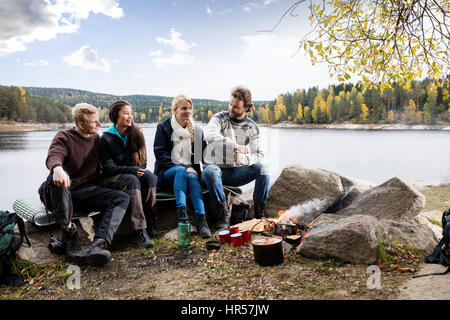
(375, 156)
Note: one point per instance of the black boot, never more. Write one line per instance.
(260, 210)
(94, 255)
(224, 220)
(152, 230)
(143, 240)
(202, 226)
(182, 214)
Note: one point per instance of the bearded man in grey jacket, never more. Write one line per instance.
(234, 155)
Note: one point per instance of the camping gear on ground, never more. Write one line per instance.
(224, 236)
(233, 230)
(184, 234)
(246, 235)
(268, 251)
(56, 246)
(8, 221)
(212, 245)
(441, 253)
(33, 210)
(236, 239)
(239, 213)
(292, 241)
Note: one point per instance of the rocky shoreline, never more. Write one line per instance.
(11, 126)
(351, 126)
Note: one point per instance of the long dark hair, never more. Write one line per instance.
(135, 136)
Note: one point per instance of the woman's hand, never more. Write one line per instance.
(140, 172)
(191, 170)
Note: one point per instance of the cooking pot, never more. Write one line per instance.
(268, 251)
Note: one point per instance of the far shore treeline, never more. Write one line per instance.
(423, 103)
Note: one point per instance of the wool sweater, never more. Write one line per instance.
(78, 156)
(223, 133)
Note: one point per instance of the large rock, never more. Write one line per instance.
(352, 189)
(39, 238)
(419, 237)
(430, 219)
(297, 185)
(350, 239)
(392, 200)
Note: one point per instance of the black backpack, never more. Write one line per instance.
(441, 253)
(8, 221)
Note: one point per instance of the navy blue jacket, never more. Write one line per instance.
(115, 157)
(163, 145)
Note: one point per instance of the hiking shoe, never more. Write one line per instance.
(94, 255)
(90, 256)
(152, 231)
(224, 219)
(259, 210)
(143, 240)
(182, 214)
(202, 226)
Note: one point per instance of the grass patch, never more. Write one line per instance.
(313, 289)
(435, 222)
(328, 264)
(437, 198)
(27, 269)
(382, 254)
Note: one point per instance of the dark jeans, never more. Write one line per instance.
(215, 177)
(142, 192)
(63, 201)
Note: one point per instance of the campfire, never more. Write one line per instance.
(284, 226)
(290, 230)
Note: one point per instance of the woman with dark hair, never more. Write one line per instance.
(178, 149)
(124, 159)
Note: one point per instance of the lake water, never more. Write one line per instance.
(374, 156)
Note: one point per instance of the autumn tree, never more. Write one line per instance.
(299, 116)
(364, 112)
(378, 41)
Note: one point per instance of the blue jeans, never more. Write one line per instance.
(181, 181)
(215, 177)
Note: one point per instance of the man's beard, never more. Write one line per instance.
(235, 115)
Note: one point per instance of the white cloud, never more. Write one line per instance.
(249, 6)
(157, 53)
(87, 58)
(210, 12)
(42, 63)
(25, 21)
(267, 2)
(176, 42)
(177, 59)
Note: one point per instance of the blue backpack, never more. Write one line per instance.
(8, 221)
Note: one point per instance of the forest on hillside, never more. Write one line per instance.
(423, 103)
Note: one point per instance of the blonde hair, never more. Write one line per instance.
(80, 111)
(180, 98)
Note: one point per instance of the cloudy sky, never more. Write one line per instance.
(201, 48)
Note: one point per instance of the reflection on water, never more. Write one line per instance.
(374, 156)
